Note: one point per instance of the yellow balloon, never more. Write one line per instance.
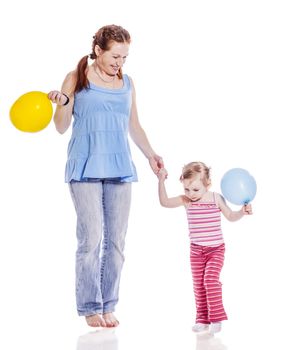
(31, 112)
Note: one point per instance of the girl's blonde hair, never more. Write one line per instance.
(191, 170)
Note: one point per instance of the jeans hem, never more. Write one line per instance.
(90, 313)
(108, 310)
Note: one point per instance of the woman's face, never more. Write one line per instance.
(111, 60)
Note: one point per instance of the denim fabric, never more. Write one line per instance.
(102, 209)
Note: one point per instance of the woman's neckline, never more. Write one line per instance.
(106, 88)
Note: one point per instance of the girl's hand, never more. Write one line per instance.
(162, 174)
(57, 97)
(247, 210)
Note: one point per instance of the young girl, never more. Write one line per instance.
(207, 247)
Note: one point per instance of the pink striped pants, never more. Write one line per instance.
(206, 265)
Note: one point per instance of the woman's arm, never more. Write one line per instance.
(139, 137)
(229, 213)
(63, 114)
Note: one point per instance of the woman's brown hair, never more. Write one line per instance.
(103, 38)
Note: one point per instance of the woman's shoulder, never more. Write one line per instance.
(128, 77)
(69, 82)
(71, 76)
(129, 82)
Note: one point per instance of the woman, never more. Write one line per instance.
(99, 168)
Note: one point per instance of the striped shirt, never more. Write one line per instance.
(204, 223)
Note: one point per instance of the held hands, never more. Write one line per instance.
(247, 209)
(58, 97)
(156, 163)
(162, 174)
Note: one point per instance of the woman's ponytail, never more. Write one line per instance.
(81, 74)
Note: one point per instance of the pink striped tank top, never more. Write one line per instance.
(204, 223)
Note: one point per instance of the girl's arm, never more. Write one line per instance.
(63, 114)
(139, 137)
(229, 213)
(165, 201)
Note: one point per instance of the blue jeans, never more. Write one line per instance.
(102, 209)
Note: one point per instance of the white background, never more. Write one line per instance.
(209, 79)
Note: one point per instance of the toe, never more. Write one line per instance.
(95, 321)
(110, 320)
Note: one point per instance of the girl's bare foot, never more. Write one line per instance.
(95, 321)
(110, 320)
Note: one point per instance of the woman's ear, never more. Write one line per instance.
(98, 50)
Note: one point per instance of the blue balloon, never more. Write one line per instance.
(238, 186)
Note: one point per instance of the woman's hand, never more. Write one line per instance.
(57, 97)
(156, 163)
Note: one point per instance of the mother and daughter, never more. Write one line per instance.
(100, 171)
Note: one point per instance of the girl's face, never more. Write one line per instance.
(194, 189)
(111, 60)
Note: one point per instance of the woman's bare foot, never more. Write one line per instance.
(110, 320)
(95, 321)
